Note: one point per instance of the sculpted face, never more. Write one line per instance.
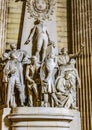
(41, 4)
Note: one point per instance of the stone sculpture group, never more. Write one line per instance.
(44, 79)
(49, 81)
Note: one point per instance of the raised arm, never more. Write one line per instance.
(78, 53)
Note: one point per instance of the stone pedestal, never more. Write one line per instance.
(27, 118)
(4, 122)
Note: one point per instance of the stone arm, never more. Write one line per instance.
(3, 61)
(6, 56)
(6, 72)
(78, 53)
(30, 35)
(49, 40)
(28, 78)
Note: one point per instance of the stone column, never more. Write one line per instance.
(3, 24)
(81, 24)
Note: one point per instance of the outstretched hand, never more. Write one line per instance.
(52, 43)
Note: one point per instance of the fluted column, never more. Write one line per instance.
(82, 32)
(3, 24)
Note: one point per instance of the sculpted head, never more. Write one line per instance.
(33, 59)
(40, 4)
(64, 50)
(13, 46)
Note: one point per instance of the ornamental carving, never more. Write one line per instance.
(42, 9)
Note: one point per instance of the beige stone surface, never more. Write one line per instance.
(61, 21)
(4, 124)
(13, 22)
(44, 119)
(34, 118)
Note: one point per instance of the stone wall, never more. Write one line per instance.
(13, 23)
(61, 20)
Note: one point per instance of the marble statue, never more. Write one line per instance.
(66, 83)
(64, 57)
(47, 80)
(62, 93)
(73, 77)
(51, 83)
(32, 76)
(41, 39)
(12, 77)
(22, 58)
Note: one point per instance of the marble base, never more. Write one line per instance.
(4, 122)
(27, 118)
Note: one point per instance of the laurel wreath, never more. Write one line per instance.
(41, 14)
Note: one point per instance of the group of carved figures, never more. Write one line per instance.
(49, 81)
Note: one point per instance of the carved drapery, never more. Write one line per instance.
(3, 24)
(82, 32)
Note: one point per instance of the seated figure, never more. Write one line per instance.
(66, 83)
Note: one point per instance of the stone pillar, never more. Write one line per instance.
(81, 24)
(3, 24)
(44, 119)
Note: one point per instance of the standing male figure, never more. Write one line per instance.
(32, 77)
(42, 38)
(12, 77)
